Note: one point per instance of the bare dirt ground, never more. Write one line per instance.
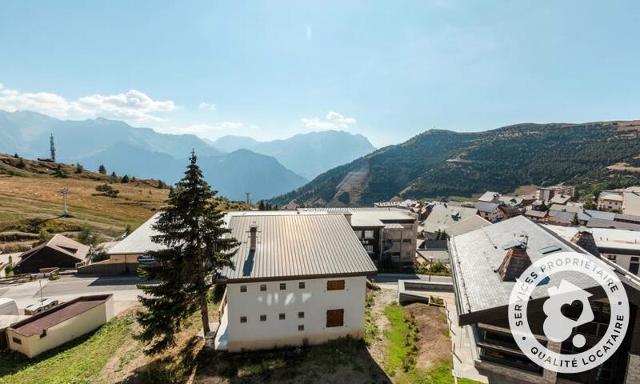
(434, 344)
(623, 167)
(383, 297)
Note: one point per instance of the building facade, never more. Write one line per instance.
(297, 279)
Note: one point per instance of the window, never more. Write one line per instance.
(16, 340)
(301, 327)
(335, 318)
(368, 234)
(243, 319)
(633, 266)
(243, 288)
(301, 285)
(263, 317)
(283, 286)
(281, 316)
(300, 315)
(611, 257)
(369, 248)
(263, 287)
(43, 334)
(335, 285)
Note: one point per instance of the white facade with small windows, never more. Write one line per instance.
(297, 279)
(298, 313)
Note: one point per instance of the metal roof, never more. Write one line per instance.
(37, 324)
(296, 246)
(486, 207)
(467, 225)
(138, 241)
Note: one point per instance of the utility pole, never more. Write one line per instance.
(52, 148)
(65, 192)
(248, 198)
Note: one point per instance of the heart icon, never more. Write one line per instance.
(572, 311)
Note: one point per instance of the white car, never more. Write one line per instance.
(40, 306)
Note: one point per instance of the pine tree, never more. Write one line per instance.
(192, 231)
(102, 169)
(125, 179)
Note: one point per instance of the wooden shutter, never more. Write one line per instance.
(335, 285)
(335, 318)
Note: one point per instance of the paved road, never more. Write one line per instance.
(124, 290)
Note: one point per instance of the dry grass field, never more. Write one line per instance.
(30, 200)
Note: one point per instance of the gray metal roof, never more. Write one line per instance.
(297, 246)
(138, 241)
(367, 217)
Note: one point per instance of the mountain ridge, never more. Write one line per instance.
(441, 163)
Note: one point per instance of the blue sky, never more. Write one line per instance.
(271, 69)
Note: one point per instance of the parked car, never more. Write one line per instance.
(41, 306)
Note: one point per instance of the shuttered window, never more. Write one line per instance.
(335, 318)
(335, 285)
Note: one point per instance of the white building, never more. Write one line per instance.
(620, 246)
(610, 201)
(297, 279)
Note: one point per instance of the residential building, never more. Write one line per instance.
(610, 201)
(389, 235)
(538, 216)
(490, 211)
(59, 252)
(59, 325)
(123, 256)
(547, 193)
(489, 197)
(443, 216)
(297, 279)
(620, 246)
(485, 264)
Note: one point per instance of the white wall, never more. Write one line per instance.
(622, 260)
(62, 332)
(314, 300)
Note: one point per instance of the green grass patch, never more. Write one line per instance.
(371, 330)
(402, 336)
(77, 362)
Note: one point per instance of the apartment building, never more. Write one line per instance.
(297, 279)
(485, 264)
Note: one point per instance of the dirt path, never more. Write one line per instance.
(385, 296)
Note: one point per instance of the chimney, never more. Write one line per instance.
(348, 217)
(514, 263)
(584, 239)
(253, 231)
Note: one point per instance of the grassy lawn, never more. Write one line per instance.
(78, 362)
(404, 351)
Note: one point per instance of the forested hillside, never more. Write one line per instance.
(441, 163)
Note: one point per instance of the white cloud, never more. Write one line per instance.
(132, 105)
(204, 106)
(333, 120)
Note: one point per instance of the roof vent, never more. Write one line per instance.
(584, 239)
(253, 232)
(514, 263)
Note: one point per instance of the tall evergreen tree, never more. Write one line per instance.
(193, 234)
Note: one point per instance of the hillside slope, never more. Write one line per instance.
(30, 202)
(441, 163)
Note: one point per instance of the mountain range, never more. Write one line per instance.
(440, 163)
(307, 154)
(256, 167)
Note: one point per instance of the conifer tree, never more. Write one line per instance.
(193, 234)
